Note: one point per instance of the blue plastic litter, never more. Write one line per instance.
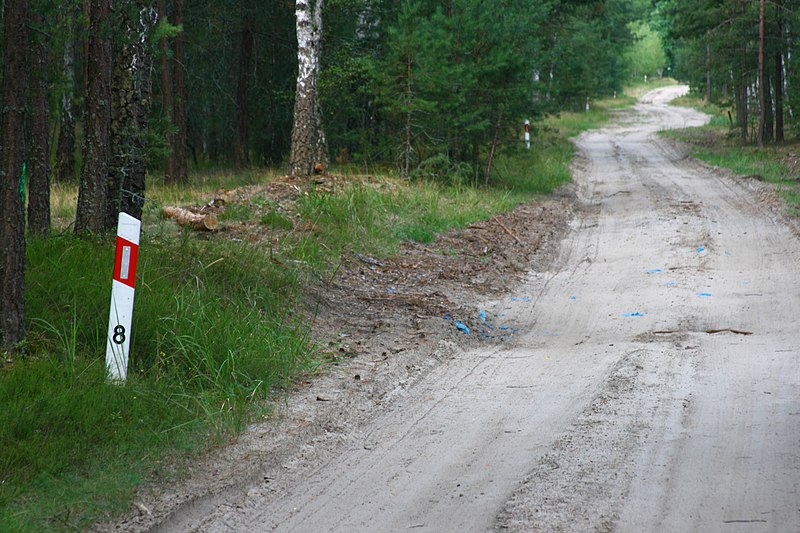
(573, 297)
(704, 294)
(521, 299)
(653, 270)
(483, 316)
(701, 249)
(505, 328)
(463, 327)
(637, 313)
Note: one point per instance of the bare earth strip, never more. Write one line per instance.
(652, 383)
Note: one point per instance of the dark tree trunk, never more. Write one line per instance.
(740, 93)
(12, 154)
(65, 152)
(762, 82)
(779, 137)
(708, 73)
(179, 102)
(245, 60)
(167, 101)
(131, 107)
(493, 149)
(93, 192)
(39, 151)
(408, 101)
(769, 122)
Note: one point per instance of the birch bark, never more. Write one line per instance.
(309, 145)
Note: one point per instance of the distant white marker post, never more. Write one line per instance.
(527, 134)
(122, 290)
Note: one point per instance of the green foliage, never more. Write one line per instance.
(645, 56)
(540, 170)
(165, 30)
(211, 334)
(715, 45)
(215, 331)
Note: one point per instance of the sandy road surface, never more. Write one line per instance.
(613, 408)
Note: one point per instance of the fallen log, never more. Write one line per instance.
(184, 217)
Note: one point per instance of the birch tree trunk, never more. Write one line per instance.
(321, 144)
(12, 156)
(309, 146)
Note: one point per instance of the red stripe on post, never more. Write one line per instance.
(125, 262)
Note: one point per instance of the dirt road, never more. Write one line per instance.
(652, 383)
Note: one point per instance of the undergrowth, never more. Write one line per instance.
(217, 329)
(212, 338)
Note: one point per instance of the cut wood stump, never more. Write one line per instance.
(185, 218)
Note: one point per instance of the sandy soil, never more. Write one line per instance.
(636, 372)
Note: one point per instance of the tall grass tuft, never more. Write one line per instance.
(211, 334)
(216, 327)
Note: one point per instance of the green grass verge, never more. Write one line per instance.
(211, 335)
(718, 143)
(215, 335)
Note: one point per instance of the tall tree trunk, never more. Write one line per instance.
(12, 154)
(130, 110)
(779, 137)
(39, 152)
(245, 61)
(708, 73)
(762, 82)
(321, 145)
(93, 191)
(408, 101)
(65, 152)
(740, 94)
(769, 117)
(493, 149)
(179, 102)
(167, 101)
(307, 127)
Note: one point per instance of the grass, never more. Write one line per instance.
(570, 124)
(718, 143)
(212, 338)
(217, 328)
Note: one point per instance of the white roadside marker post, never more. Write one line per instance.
(122, 290)
(527, 125)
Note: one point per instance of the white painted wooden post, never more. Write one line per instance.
(527, 134)
(122, 291)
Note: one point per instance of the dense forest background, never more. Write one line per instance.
(112, 95)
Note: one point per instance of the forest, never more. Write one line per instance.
(115, 95)
(111, 95)
(113, 101)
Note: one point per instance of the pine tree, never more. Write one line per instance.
(91, 216)
(16, 18)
